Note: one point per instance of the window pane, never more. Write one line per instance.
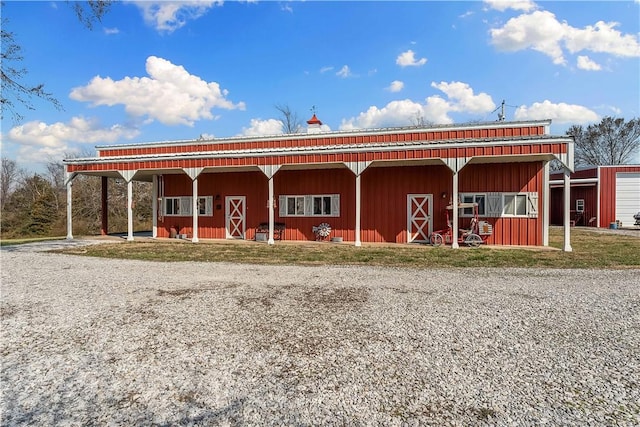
(202, 206)
(176, 206)
(467, 199)
(480, 201)
(509, 205)
(300, 206)
(326, 203)
(521, 204)
(317, 205)
(291, 205)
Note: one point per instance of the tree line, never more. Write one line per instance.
(35, 204)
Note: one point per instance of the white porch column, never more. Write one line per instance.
(69, 210)
(454, 212)
(130, 210)
(154, 205)
(546, 205)
(272, 215)
(270, 171)
(567, 206)
(358, 208)
(195, 210)
(358, 168)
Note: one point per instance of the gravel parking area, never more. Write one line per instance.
(110, 342)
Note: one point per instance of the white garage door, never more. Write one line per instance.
(627, 197)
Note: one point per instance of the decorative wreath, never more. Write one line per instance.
(322, 230)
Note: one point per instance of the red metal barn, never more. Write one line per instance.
(600, 195)
(381, 185)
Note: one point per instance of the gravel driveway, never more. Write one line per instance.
(89, 341)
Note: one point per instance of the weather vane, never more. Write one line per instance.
(313, 109)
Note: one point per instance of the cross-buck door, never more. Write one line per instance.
(419, 211)
(235, 216)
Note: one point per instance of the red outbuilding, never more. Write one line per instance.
(600, 196)
(379, 185)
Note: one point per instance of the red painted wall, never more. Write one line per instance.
(250, 184)
(327, 181)
(608, 192)
(508, 177)
(384, 200)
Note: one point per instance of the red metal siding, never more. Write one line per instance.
(608, 191)
(191, 146)
(253, 185)
(308, 182)
(507, 177)
(384, 199)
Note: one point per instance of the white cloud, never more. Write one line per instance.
(436, 109)
(395, 86)
(259, 127)
(407, 59)
(171, 15)
(325, 69)
(110, 31)
(38, 140)
(344, 72)
(541, 31)
(559, 113)
(586, 63)
(502, 5)
(170, 95)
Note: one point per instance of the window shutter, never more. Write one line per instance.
(209, 206)
(308, 205)
(185, 206)
(282, 206)
(494, 205)
(335, 205)
(532, 205)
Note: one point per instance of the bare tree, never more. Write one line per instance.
(613, 141)
(8, 178)
(291, 123)
(15, 91)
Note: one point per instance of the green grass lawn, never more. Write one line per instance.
(590, 250)
(9, 242)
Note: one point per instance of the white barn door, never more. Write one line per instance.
(235, 208)
(627, 197)
(419, 212)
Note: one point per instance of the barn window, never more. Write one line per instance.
(480, 199)
(182, 206)
(310, 205)
(580, 205)
(514, 205)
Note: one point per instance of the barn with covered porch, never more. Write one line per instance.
(379, 185)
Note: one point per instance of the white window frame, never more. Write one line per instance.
(474, 197)
(579, 205)
(515, 197)
(185, 206)
(305, 205)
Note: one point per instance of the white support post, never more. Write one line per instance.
(195, 210)
(69, 211)
(454, 212)
(567, 207)
(546, 206)
(154, 205)
(271, 204)
(358, 209)
(130, 210)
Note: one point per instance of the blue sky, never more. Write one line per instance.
(155, 71)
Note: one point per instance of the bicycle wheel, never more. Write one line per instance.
(436, 239)
(473, 240)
